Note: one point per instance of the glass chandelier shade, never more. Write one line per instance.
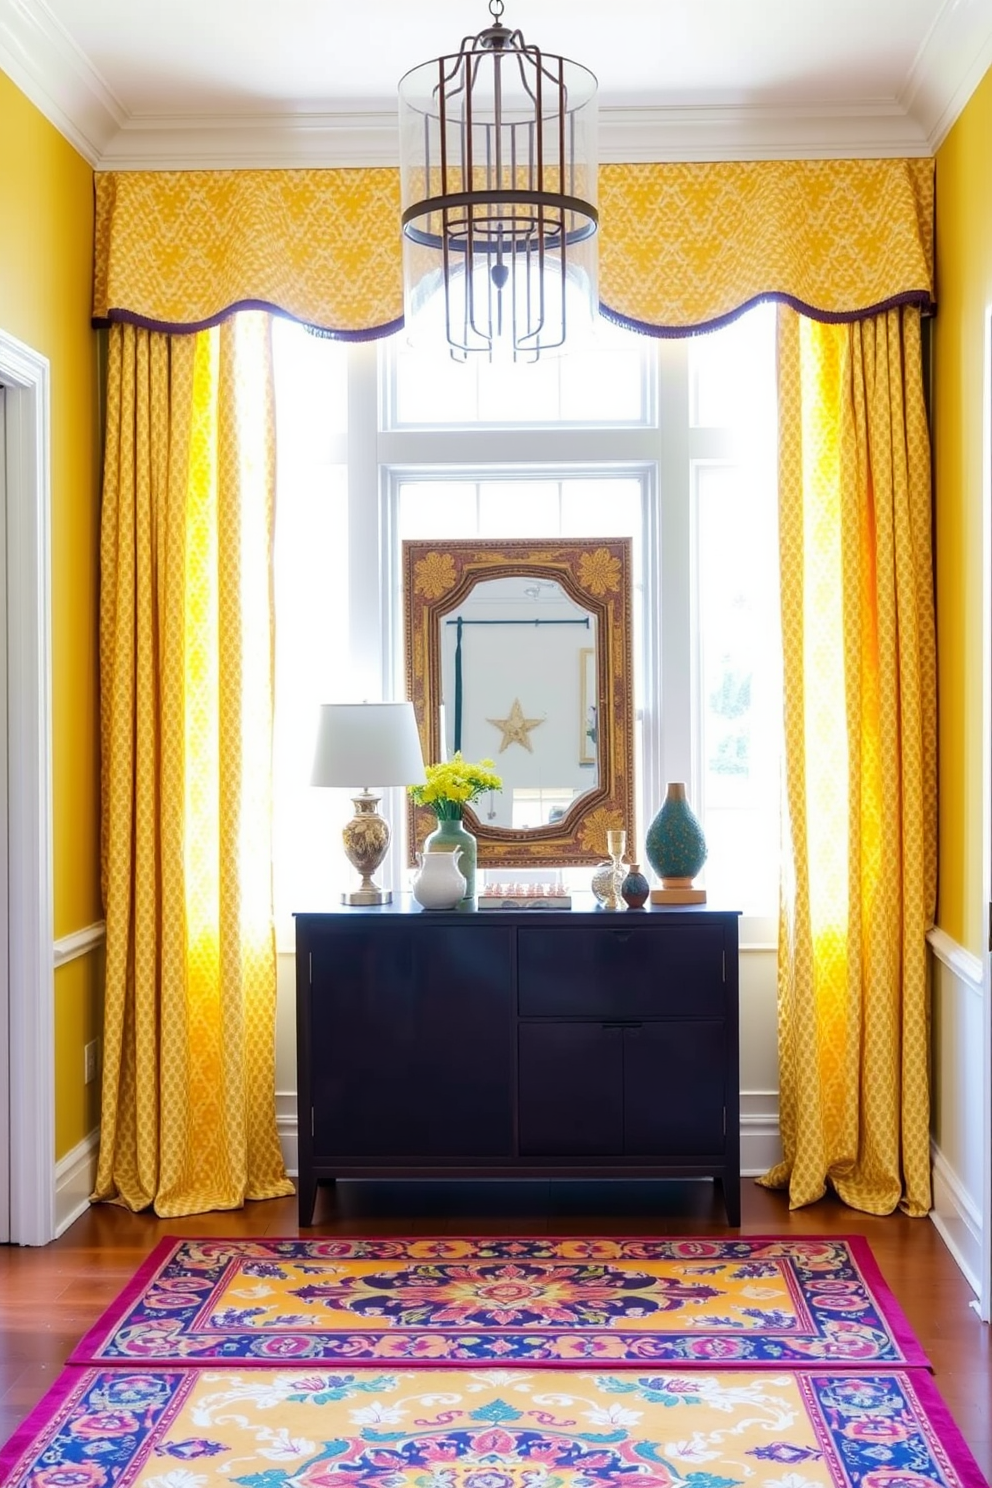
(498, 162)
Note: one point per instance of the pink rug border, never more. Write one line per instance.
(945, 1429)
(87, 1350)
(45, 1411)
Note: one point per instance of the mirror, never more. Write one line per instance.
(521, 652)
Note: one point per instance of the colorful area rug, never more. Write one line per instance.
(746, 1303)
(307, 1428)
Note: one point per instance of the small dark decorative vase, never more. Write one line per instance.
(446, 836)
(635, 888)
(675, 845)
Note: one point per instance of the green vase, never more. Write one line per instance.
(675, 845)
(446, 836)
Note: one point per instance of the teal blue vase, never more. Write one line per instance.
(446, 836)
(675, 845)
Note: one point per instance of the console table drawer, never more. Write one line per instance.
(621, 971)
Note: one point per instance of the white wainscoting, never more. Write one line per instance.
(287, 1127)
(957, 1146)
(761, 1143)
(958, 1218)
(75, 1175)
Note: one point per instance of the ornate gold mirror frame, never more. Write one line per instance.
(596, 575)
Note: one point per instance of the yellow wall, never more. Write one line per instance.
(964, 299)
(46, 252)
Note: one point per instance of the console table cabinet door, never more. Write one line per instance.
(674, 1089)
(570, 1090)
(411, 1037)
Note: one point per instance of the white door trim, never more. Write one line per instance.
(4, 862)
(25, 374)
(985, 1291)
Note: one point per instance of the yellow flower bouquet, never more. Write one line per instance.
(451, 785)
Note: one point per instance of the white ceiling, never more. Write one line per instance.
(146, 84)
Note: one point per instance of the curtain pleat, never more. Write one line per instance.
(188, 1104)
(859, 877)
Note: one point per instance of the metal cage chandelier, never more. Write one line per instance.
(498, 156)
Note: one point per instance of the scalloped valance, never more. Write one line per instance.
(683, 246)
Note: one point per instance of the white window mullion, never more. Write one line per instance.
(364, 651)
(676, 742)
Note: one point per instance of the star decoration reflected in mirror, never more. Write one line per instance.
(515, 727)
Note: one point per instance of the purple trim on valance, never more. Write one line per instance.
(919, 297)
(189, 328)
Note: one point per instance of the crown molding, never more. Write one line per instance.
(47, 65)
(39, 55)
(950, 64)
(759, 133)
(213, 142)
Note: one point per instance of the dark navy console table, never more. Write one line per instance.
(507, 1043)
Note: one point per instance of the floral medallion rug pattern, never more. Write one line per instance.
(581, 1302)
(312, 1428)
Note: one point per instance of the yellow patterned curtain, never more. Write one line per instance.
(860, 703)
(682, 245)
(188, 1112)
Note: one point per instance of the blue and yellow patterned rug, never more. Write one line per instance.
(766, 1302)
(306, 1427)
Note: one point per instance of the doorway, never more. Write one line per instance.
(26, 912)
(4, 977)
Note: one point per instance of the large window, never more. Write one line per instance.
(670, 443)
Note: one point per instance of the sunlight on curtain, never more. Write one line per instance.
(188, 1116)
(860, 711)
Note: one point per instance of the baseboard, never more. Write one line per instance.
(761, 1141)
(286, 1126)
(957, 1219)
(75, 1176)
(761, 1146)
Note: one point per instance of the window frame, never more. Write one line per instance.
(661, 453)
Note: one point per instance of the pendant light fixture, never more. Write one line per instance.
(498, 157)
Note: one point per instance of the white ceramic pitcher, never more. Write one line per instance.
(439, 884)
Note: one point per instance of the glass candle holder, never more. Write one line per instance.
(616, 842)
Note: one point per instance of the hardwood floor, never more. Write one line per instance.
(50, 1296)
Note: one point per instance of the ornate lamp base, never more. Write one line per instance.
(370, 895)
(366, 838)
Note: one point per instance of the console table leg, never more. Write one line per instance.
(731, 1189)
(306, 1193)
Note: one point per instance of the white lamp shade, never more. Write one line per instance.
(367, 744)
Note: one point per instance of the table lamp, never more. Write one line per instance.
(367, 741)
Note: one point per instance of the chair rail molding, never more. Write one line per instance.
(25, 375)
(78, 943)
(966, 966)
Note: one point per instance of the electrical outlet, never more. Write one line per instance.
(90, 1061)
